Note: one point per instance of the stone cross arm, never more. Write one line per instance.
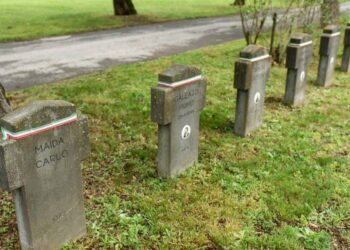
(243, 75)
(11, 160)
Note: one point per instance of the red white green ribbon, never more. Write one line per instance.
(255, 59)
(331, 35)
(7, 135)
(300, 44)
(180, 83)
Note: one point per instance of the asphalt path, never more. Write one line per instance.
(24, 64)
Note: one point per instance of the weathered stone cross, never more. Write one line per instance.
(40, 154)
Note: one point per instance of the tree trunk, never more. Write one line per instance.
(124, 8)
(330, 12)
(239, 2)
(273, 33)
(5, 106)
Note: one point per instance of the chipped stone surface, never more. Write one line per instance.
(175, 106)
(43, 173)
(328, 55)
(299, 55)
(252, 71)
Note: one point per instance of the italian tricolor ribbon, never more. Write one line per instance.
(180, 83)
(7, 135)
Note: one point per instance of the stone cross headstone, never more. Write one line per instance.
(40, 153)
(345, 64)
(328, 55)
(299, 55)
(252, 71)
(175, 105)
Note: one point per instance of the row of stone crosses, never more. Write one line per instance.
(44, 142)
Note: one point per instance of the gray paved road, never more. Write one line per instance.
(24, 64)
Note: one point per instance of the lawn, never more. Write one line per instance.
(285, 187)
(25, 20)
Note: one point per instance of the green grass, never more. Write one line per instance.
(285, 187)
(24, 20)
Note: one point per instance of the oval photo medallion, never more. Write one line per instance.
(257, 98)
(186, 132)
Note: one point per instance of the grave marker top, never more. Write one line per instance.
(253, 51)
(170, 81)
(331, 29)
(345, 62)
(299, 51)
(347, 35)
(244, 74)
(300, 38)
(329, 45)
(178, 72)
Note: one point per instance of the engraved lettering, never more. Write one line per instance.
(186, 104)
(46, 161)
(48, 145)
(61, 215)
(39, 164)
(186, 114)
(38, 149)
(52, 158)
(186, 94)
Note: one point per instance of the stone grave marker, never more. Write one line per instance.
(40, 153)
(299, 55)
(175, 105)
(328, 55)
(345, 64)
(252, 71)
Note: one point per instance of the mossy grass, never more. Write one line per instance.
(284, 187)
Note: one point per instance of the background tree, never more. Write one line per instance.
(309, 14)
(330, 12)
(255, 14)
(124, 7)
(253, 18)
(283, 25)
(239, 2)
